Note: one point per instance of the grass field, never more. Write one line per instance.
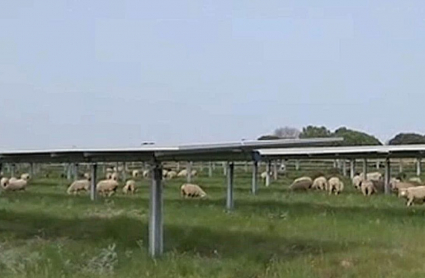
(45, 233)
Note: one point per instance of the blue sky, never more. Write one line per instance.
(116, 73)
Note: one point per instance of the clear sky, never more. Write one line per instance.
(116, 73)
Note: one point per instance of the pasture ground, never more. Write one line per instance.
(46, 233)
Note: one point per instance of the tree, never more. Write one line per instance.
(315, 132)
(407, 139)
(355, 138)
(287, 132)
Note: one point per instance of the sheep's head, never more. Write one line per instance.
(4, 182)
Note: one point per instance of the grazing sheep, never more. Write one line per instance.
(108, 187)
(372, 176)
(189, 190)
(367, 187)
(14, 184)
(146, 173)
(357, 180)
(182, 173)
(320, 183)
(412, 194)
(303, 183)
(77, 186)
(416, 180)
(25, 176)
(135, 173)
(130, 186)
(115, 176)
(194, 173)
(264, 175)
(397, 186)
(171, 174)
(4, 182)
(335, 185)
(164, 173)
(87, 176)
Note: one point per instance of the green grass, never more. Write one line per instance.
(46, 233)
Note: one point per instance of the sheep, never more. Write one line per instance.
(135, 173)
(397, 186)
(264, 175)
(335, 185)
(115, 176)
(182, 173)
(26, 176)
(367, 187)
(130, 186)
(320, 183)
(164, 173)
(107, 187)
(171, 175)
(189, 190)
(108, 176)
(357, 180)
(146, 173)
(14, 184)
(4, 182)
(303, 183)
(412, 194)
(194, 173)
(416, 180)
(87, 176)
(372, 176)
(77, 186)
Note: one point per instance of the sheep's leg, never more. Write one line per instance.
(409, 202)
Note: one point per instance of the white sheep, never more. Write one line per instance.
(264, 175)
(416, 180)
(135, 173)
(146, 173)
(335, 185)
(367, 187)
(4, 182)
(108, 176)
(303, 183)
(130, 186)
(412, 194)
(192, 191)
(182, 173)
(396, 186)
(26, 176)
(108, 187)
(171, 175)
(194, 173)
(372, 176)
(115, 176)
(164, 173)
(77, 186)
(87, 176)
(320, 183)
(357, 180)
(14, 184)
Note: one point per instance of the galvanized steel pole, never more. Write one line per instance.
(155, 219)
(229, 197)
(387, 176)
(254, 186)
(93, 182)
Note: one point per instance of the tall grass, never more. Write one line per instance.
(46, 233)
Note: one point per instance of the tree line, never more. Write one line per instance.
(351, 137)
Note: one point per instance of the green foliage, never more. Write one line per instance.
(355, 138)
(407, 139)
(315, 132)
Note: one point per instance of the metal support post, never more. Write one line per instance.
(155, 213)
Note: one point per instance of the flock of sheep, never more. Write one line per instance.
(412, 189)
(109, 185)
